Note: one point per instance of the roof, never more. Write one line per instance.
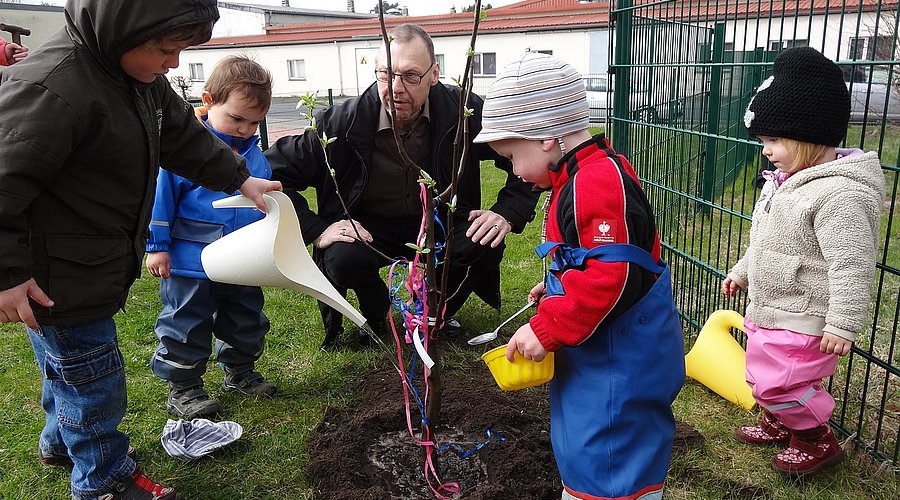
(543, 15)
(515, 18)
(701, 10)
(31, 7)
(279, 9)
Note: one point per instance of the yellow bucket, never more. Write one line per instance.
(519, 374)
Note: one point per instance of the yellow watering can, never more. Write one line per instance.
(718, 361)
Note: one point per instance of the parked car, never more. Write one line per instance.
(874, 93)
(867, 102)
(597, 88)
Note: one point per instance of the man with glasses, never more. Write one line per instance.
(382, 193)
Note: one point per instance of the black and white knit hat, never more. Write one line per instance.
(536, 97)
(805, 99)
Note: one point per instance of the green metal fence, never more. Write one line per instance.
(683, 74)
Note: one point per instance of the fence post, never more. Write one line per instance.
(330, 97)
(263, 135)
(712, 124)
(621, 129)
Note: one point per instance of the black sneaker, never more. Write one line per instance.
(64, 460)
(248, 383)
(363, 337)
(140, 487)
(189, 400)
(329, 343)
(452, 328)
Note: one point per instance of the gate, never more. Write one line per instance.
(683, 74)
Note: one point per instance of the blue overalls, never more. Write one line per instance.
(611, 422)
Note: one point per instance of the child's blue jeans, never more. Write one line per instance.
(84, 401)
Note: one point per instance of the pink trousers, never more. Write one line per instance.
(785, 370)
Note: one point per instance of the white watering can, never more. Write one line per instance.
(271, 252)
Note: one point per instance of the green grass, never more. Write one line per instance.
(269, 460)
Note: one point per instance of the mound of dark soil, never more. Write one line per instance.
(365, 451)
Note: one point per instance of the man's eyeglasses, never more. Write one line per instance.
(411, 79)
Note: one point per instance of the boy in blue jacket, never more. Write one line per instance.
(235, 99)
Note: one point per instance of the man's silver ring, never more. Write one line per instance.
(495, 226)
(343, 232)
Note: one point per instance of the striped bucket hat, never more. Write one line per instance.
(537, 97)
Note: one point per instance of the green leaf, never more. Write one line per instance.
(324, 140)
(468, 112)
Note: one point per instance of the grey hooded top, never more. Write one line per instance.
(80, 147)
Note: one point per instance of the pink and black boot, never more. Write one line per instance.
(769, 431)
(809, 452)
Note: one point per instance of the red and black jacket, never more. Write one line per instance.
(597, 200)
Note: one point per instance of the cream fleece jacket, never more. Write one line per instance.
(811, 259)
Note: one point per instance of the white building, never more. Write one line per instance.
(339, 55)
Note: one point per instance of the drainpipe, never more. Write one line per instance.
(340, 68)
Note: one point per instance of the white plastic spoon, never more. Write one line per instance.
(489, 336)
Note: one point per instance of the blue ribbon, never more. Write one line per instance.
(463, 453)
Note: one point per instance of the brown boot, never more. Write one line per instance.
(810, 451)
(769, 431)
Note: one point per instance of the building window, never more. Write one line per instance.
(871, 48)
(196, 72)
(439, 59)
(296, 69)
(780, 45)
(485, 63)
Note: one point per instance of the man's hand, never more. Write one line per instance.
(527, 343)
(14, 306)
(343, 231)
(254, 187)
(832, 344)
(159, 264)
(729, 288)
(488, 228)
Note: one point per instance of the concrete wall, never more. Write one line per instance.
(42, 20)
(746, 35)
(239, 23)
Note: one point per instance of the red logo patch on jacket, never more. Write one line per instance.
(604, 230)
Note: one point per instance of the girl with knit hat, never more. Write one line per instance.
(809, 267)
(606, 306)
